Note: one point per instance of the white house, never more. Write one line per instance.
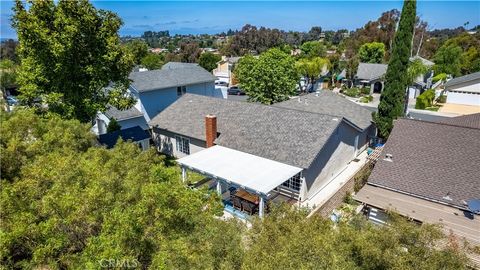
(224, 70)
(155, 90)
(289, 151)
(464, 90)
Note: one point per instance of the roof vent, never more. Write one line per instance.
(317, 93)
(299, 99)
(388, 157)
(447, 197)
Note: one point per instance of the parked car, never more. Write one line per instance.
(11, 100)
(235, 90)
(221, 83)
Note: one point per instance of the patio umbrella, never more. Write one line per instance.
(474, 205)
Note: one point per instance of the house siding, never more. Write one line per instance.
(334, 157)
(157, 100)
(165, 143)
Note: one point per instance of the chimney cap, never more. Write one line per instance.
(211, 116)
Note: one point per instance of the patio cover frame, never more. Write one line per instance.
(247, 171)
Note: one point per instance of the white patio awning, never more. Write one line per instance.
(245, 170)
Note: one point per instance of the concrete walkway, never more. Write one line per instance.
(334, 184)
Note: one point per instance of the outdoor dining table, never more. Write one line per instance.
(242, 194)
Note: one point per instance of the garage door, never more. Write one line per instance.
(463, 98)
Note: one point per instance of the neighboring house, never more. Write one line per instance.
(371, 75)
(430, 173)
(155, 90)
(464, 90)
(126, 119)
(224, 70)
(423, 81)
(297, 146)
(133, 134)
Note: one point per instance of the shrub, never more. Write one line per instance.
(365, 91)
(352, 92)
(425, 99)
(113, 125)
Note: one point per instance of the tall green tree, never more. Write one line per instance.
(138, 48)
(71, 205)
(209, 61)
(448, 59)
(396, 80)
(371, 52)
(152, 61)
(312, 49)
(69, 52)
(270, 78)
(312, 68)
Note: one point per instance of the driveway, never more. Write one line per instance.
(459, 109)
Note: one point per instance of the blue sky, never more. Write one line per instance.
(213, 17)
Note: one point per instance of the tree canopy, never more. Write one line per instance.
(312, 49)
(372, 52)
(312, 68)
(209, 61)
(396, 78)
(152, 61)
(69, 52)
(138, 48)
(270, 78)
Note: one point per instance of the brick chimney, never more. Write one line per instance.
(210, 129)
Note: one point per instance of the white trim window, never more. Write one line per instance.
(183, 145)
(181, 90)
(294, 183)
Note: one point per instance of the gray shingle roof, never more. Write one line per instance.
(463, 79)
(123, 114)
(368, 71)
(432, 161)
(326, 102)
(171, 74)
(426, 62)
(289, 136)
(470, 120)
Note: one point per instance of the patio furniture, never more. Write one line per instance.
(232, 190)
(237, 202)
(247, 196)
(248, 207)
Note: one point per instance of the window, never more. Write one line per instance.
(294, 183)
(181, 90)
(183, 145)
